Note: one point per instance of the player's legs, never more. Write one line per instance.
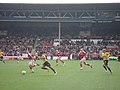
(109, 69)
(59, 58)
(104, 67)
(31, 68)
(52, 69)
(56, 62)
(62, 62)
(1, 58)
(106, 64)
(3, 61)
(81, 64)
(43, 67)
(18, 60)
(87, 64)
(49, 65)
(81, 61)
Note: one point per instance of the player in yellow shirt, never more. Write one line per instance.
(36, 55)
(105, 56)
(46, 63)
(1, 56)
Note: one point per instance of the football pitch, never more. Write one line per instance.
(69, 77)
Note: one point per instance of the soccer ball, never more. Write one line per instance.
(23, 72)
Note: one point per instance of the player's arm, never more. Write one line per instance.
(103, 55)
(108, 54)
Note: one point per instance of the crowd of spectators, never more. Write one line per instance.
(16, 42)
(27, 41)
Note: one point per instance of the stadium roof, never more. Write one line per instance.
(59, 1)
(60, 12)
(91, 6)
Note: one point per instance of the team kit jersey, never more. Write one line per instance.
(82, 55)
(105, 55)
(31, 62)
(30, 56)
(43, 58)
(1, 55)
(59, 54)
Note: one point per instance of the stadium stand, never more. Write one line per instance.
(27, 27)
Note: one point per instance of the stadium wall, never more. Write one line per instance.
(26, 58)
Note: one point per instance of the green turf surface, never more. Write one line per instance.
(69, 77)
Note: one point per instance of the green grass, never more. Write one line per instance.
(69, 77)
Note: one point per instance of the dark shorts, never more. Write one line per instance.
(1, 57)
(105, 62)
(46, 64)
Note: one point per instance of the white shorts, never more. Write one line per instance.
(59, 58)
(83, 59)
(31, 64)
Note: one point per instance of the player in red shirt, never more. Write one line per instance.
(59, 54)
(83, 55)
(31, 62)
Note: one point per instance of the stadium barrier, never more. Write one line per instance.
(26, 57)
(48, 57)
(55, 57)
(14, 57)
